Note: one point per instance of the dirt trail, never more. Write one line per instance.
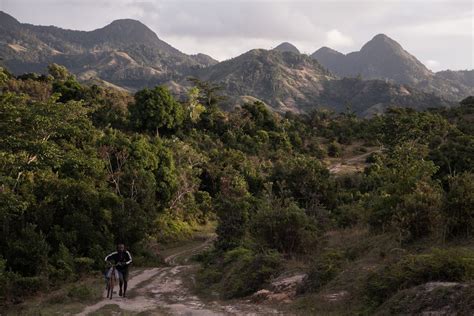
(163, 291)
(356, 163)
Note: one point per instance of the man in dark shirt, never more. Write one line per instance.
(122, 259)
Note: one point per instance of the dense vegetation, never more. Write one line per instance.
(84, 166)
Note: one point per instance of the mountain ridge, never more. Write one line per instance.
(124, 52)
(283, 78)
(385, 59)
(289, 82)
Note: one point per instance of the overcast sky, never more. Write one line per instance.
(438, 32)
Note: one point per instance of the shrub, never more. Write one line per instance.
(63, 265)
(323, 270)
(27, 254)
(458, 208)
(83, 264)
(237, 272)
(232, 209)
(285, 228)
(334, 150)
(453, 265)
(246, 272)
(26, 286)
(81, 293)
(417, 214)
(347, 215)
(404, 196)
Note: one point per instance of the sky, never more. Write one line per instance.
(440, 33)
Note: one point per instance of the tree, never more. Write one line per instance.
(283, 226)
(402, 125)
(209, 93)
(155, 110)
(195, 108)
(232, 208)
(454, 155)
(404, 196)
(59, 72)
(305, 180)
(28, 254)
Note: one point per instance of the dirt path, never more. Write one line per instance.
(163, 291)
(352, 164)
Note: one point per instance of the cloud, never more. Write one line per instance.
(336, 39)
(439, 30)
(453, 26)
(433, 64)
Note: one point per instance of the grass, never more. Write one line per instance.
(365, 255)
(69, 299)
(198, 236)
(362, 253)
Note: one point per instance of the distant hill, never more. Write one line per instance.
(290, 82)
(125, 52)
(385, 59)
(287, 47)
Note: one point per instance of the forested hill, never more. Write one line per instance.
(82, 167)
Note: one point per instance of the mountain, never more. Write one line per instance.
(125, 52)
(287, 47)
(331, 59)
(380, 58)
(290, 82)
(285, 80)
(385, 59)
(465, 77)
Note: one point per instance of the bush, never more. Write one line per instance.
(81, 293)
(458, 208)
(453, 265)
(347, 215)
(83, 264)
(285, 228)
(246, 272)
(404, 197)
(26, 286)
(63, 265)
(169, 228)
(238, 272)
(27, 254)
(417, 214)
(323, 270)
(334, 150)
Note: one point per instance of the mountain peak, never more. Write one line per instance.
(127, 23)
(325, 51)
(287, 47)
(126, 30)
(382, 37)
(380, 58)
(381, 42)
